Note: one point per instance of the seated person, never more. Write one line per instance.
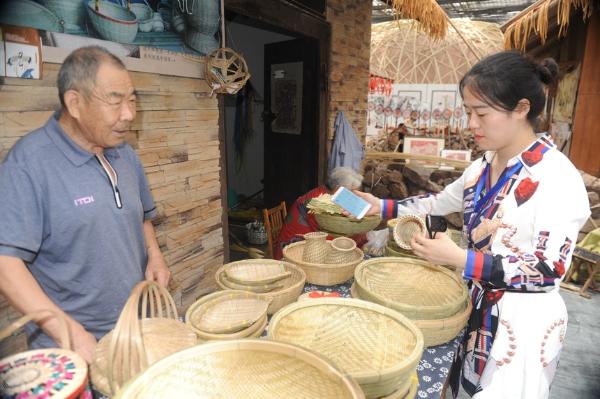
(299, 221)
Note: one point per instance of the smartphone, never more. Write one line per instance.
(351, 202)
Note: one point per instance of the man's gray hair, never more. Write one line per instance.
(344, 177)
(79, 70)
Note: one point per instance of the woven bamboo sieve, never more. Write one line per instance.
(316, 247)
(321, 273)
(377, 346)
(399, 283)
(342, 251)
(406, 228)
(270, 369)
(292, 289)
(139, 340)
(345, 225)
(256, 272)
(226, 312)
(51, 372)
(393, 250)
(252, 288)
(438, 331)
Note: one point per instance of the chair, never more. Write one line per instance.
(274, 219)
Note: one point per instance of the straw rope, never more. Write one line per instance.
(406, 55)
(535, 20)
(431, 17)
(378, 346)
(253, 369)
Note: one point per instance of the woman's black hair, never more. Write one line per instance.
(501, 80)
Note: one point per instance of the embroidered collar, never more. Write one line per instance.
(529, 157)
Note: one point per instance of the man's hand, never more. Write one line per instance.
(157, 269)
(441, 250)
(83, 343)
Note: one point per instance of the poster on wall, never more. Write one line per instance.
(286, 97)
(22, 53)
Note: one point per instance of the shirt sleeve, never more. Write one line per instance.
(555, 237)
(21, 229)
(145, 194)
(448, 201)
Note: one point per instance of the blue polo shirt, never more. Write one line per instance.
(58, 214)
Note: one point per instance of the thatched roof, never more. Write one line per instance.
(537, 18)
(431, 17)
(404, 54)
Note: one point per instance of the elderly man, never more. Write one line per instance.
(300, 222)
(76, 234)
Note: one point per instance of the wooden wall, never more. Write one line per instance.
(586, 123)
(349, 63)
(176, 135)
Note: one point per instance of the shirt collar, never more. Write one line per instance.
(539, 146)
(74, 153)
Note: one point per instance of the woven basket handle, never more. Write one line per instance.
(39, 316)
(126, 352)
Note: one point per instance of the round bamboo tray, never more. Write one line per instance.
(393, 250)
(414, 287)
(341, 224)
(406, 228)
(254, 331)
(292, 289)
(252, 288)
(256, 271)
(228, 313)
(322, 274)
(43, 373)
(139, 340)
(440, 331)
(377, 346)
(253, 369)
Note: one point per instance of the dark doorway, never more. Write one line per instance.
(291, 117)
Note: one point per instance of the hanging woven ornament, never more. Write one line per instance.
(226, 70)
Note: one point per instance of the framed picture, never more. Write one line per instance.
(430, 146)
(459, 155)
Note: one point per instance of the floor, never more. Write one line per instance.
(578, 375)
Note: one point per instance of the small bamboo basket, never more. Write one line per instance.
(43, 373)
(406, 228)
(139, 340)
(376, 345)
(256, 273)
(347, 226)
(322, 273)
(256, 369)
(414, 287)
(292, 285)
(342, 251)
(316, 247)
(227, 312)
(438, 331)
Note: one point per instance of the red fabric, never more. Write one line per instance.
(298, 221)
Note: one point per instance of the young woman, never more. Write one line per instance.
(523, 203)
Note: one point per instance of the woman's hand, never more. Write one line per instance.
(441, 250)
(371, 199)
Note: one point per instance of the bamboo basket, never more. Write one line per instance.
(316, 247)
(292, 289)
(408, 393)
(342, 251)
(377, 346)
(139, 340)
(112, 22)
(251, 288)
(256, 272)
(226, 312)
(406, 228)
(347, 226)
(53, 372)
(252, 369)
(414, 287)
(319, 273)
(440, 331)
(71, 12)
(393, 250)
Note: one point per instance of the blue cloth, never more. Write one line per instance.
(346, 150)
(59, 215)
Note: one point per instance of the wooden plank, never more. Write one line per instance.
(399, 156)
(28, 98)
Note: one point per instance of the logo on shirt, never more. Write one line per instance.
(84, 200)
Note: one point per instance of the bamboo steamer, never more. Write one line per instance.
(138, 341)
(253, 369)
(377, 346)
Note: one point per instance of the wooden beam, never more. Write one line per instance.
(399, 156)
